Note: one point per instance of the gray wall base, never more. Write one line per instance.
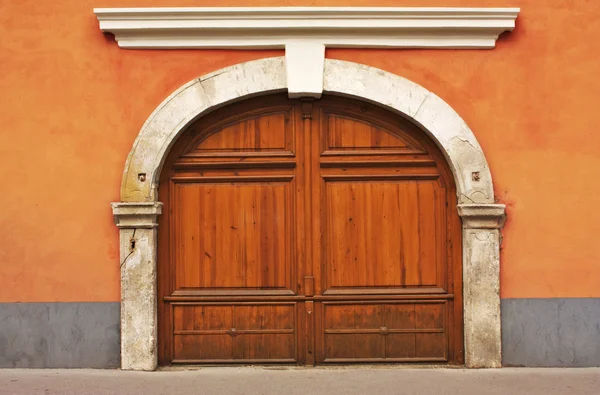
(59, 335)
(535, 332)
(551, 332)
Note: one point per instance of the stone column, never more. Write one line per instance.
(137, 225)
(481, 283)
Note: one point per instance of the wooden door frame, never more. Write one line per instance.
(136, 214)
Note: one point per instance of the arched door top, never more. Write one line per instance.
(264, 76)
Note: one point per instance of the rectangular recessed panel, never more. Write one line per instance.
(430, 345)
(202, 317)
(256, 317)
(268, 132)
(430, 316)
(207, 347)
(384, 331)
(265, 347)
(234, 332)
(382, 234)
(400, 316)
(233, 235)
(353, 346)
(400, 345)
(345, 133)
(347, 316)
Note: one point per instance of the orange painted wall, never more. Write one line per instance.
(72, 103)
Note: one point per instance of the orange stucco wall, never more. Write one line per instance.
(72, 102)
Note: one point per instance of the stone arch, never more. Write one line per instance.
(265, 76)
(136, 214)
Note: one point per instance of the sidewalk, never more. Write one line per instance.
(303, 381)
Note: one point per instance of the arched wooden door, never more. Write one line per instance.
(308, 232)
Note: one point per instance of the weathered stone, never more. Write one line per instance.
(375, 85)
(259, 77)
(481, 283)
(137, 223)
(155, 139)
(482, 216)
(481, 298)
(132, 215)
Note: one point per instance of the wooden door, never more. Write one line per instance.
(308, 232)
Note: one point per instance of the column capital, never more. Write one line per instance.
(482, 216)
(135, 215)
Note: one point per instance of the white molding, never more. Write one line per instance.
(274, 27)
(305, 32)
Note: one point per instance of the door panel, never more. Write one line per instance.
(381, 234)
(200, 332)
(234, 235)
(265, 132)
(253, 132)
(388, 331)
(346, 131)
(308, 232)
(234, 333)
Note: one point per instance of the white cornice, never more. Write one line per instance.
(274, 27)
(305, 32)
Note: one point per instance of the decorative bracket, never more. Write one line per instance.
(305, 32)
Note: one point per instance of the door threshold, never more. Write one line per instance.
(318, 367)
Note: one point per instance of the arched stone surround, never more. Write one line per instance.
(136, 214)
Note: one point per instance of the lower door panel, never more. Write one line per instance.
(383, 331)
(234, 332)
(276, 332)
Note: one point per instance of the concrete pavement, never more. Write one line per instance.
(303, 381)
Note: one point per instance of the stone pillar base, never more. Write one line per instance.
(137, 224)
(481, 283)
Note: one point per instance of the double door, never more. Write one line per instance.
(308, 232)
